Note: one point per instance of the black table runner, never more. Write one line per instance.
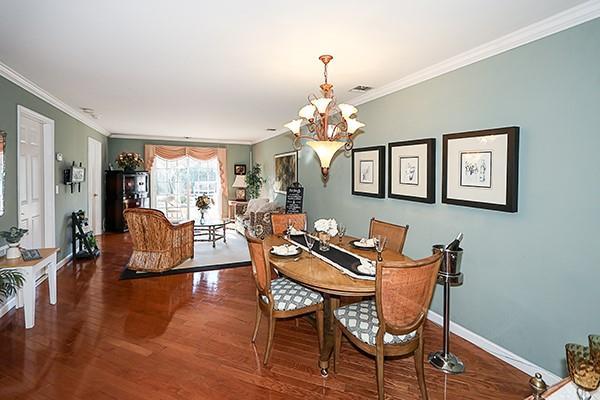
(339, 257)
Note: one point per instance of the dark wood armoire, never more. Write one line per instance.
(125, 190)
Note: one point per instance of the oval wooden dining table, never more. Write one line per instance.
(321, 276)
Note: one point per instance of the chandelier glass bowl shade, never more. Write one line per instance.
(329, 126)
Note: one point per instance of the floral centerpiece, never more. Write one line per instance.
(129, 161)
(13, 237)
(204, 202)
(326, 228)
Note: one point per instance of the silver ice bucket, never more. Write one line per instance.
(451, 260)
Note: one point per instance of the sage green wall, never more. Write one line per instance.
(70, 139)
(531, 278)
(236, 153)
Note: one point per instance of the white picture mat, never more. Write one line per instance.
(498, 145)
(366, 156)
(416, 150)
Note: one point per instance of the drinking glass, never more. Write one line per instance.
(595, 351)
(310, 243)
(341, 232)
(582, 370)
(288, 230)
(379, 246)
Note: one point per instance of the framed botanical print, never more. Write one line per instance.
(481, 169)
(285, 171)
(368, 171)
(412, 170)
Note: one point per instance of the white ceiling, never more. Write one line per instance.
(227, 70)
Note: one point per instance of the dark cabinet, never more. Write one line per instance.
(125, 190)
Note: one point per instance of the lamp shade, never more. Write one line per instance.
(321, 104)
(353, 125)
(347, 110)
(325, 149)
(307, 112)
(239, 182)
(294, 126)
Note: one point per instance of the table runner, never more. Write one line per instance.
(338, 257)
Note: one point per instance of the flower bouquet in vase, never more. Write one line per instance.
(129, 161)
(203, 203)
(13, 237)
(326, 229)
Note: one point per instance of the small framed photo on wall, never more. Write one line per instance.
(481, 168)
(412, 170)
(368, 171)
(239, 169)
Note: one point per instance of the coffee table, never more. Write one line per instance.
(211, 230)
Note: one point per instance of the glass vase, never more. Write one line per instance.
(324, 241)
(202, 216)
(582, 370)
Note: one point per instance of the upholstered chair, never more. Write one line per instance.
(395, 234)
(280, 222)
(280, 297)
(392, 324)
(158, 245)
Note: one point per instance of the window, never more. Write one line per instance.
(177, 183)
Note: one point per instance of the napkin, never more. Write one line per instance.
(366, 267)
(285, 250)
(294, 231)
(366, 242)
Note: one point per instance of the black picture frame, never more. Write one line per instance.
(511, 165)
(429, 179)
(239, 169)
(380, 193)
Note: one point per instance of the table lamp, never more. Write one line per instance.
(239, 184)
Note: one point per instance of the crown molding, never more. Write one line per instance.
(559, 22)
(34, 89)
(179, 139)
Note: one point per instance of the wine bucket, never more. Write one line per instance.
(451, 260)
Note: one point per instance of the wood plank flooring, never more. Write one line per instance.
(188, 337)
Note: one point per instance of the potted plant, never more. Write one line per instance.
(13, 237)
(10, 281)
(129, 161)
(203, 203)
(326, 228)
(254, 181)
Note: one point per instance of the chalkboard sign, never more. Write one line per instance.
(293, 200)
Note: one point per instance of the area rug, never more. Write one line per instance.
(232, 254)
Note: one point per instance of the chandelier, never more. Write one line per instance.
(330, 126)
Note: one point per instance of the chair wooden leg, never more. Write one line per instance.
(379, 367)
(319, 314)
(270, 339)
(337, 347)
(419, 355)
(257, 322)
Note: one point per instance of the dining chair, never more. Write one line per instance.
(395, 234)
(280, 222)
(392, 324)
(280, 297)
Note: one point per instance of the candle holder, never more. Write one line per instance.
(538, 386)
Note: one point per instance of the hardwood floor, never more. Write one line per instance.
(188, 337)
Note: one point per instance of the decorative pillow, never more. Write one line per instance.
(269, 207)
(254, 205)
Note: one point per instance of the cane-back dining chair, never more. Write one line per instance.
(280, 297)
(392, 324)
(280, 222)
(395, 234)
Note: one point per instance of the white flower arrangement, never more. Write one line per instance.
(328, 226)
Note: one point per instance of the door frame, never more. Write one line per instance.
(47, 168)
(99, 229)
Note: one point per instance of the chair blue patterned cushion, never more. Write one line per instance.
(289, 295)
(360, 319)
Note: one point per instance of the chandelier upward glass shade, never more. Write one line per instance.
(329, 126)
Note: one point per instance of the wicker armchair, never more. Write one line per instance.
(158, 245)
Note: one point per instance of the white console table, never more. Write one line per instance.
(30, 270)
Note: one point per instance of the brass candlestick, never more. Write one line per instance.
(538, 386)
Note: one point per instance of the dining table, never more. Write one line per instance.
(332, 282)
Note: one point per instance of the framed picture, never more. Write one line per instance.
(285, 171)
(239, 169)
(412, 170)
(481, 169)
(368, 171)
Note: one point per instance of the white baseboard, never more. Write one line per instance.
(497, 351)
(10, 303)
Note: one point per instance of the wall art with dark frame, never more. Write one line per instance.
(368, 171)
(239, 169)
(481, 169)
(412, 170)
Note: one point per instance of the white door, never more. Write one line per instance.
(31, 181)
(95, 185)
